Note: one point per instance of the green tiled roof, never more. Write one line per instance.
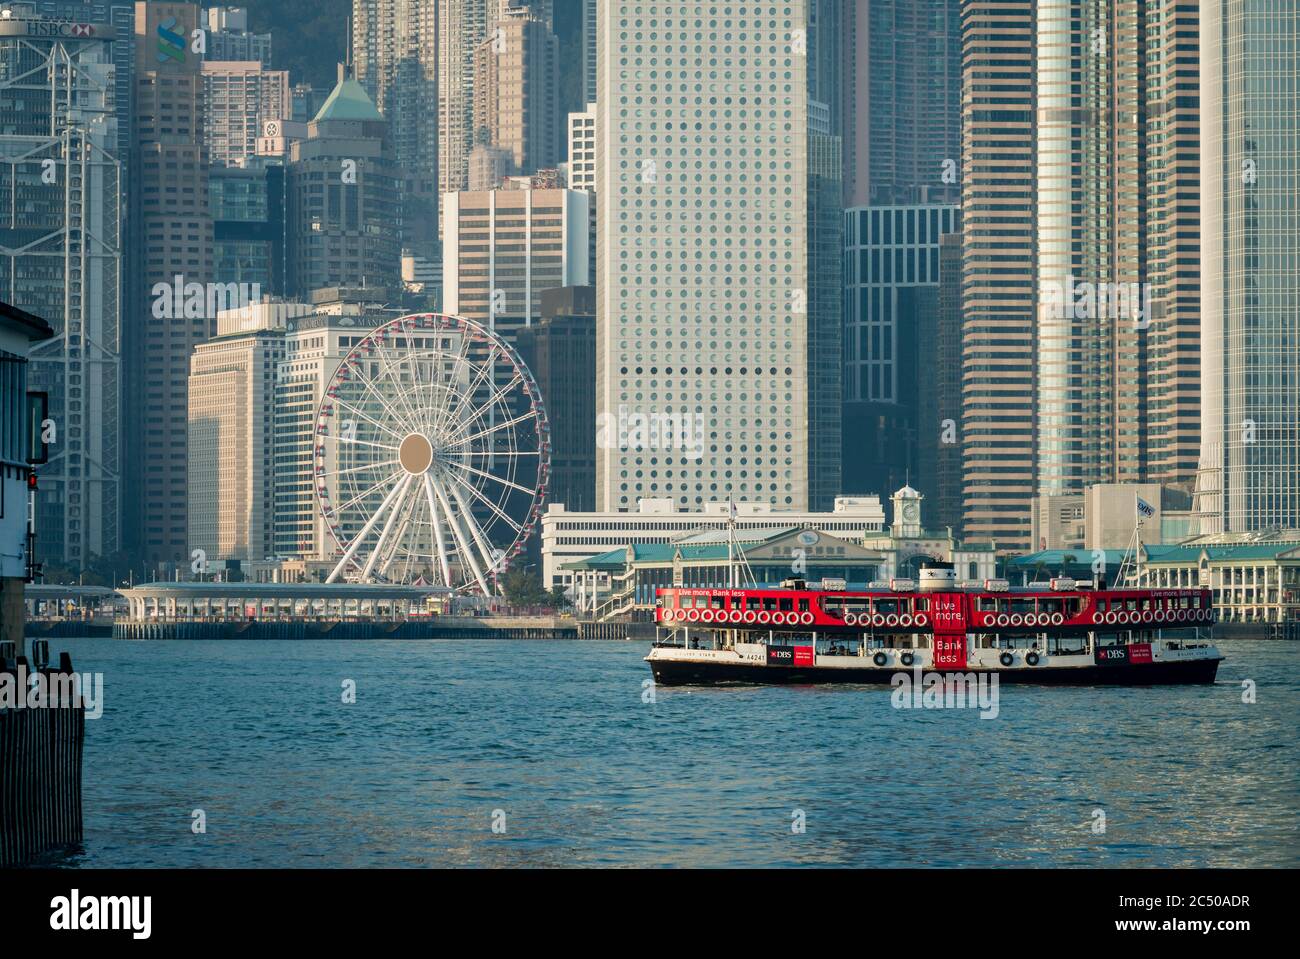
(348, 101)
(1218, 554)
(1056, 557)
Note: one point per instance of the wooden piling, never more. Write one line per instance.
(40, 766)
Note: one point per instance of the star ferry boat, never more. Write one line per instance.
(1061, 633)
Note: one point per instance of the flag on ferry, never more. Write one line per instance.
(1145, 508)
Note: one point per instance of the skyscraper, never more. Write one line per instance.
(232, 436)
(344, 193)
(901, 72)
(1250, 267)
(229, 38)
(173, 238)
(703, 272)
(462, 26)
(239, 97)
(516, 88)
(395, 58)
(998, 293)
(502, 248)
(1117, 240)
(589, 31)
(892, 274)
(61, 244)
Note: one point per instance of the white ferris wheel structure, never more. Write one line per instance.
(431, 455)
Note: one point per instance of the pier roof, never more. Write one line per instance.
(189, 590)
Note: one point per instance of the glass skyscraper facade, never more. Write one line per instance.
(1250, 265)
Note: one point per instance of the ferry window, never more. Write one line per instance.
(922, 602)
(786, 605)
(803, 605)
(769, 604)
(717, 602)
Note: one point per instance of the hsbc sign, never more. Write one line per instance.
(57, 30)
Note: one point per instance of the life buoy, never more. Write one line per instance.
(907, 659)
(878, 620)
(706, 616)
(1147, 616)
(764, 616)
(850, 619)
(905, 620)
(778, 618)
(1058, 619)
(880, 659)
(693, 615)
(891, 620)
(734, 616)
(750, 616)
(1006, 659)
(1003, 619)
(1031, 658)
(1112, 617)
(919, 619)
(1099, 617)
(807, 618)
(1017, 619)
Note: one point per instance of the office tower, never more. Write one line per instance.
(463, 26)
(395, 58)
(825, 60)
(582, 149)
(248, 213)
(1250, 268)
(998, 290)
(589, 29)
(239, 98)
(172, 239)
(560, 351)
(938, 391)
(61, 244)
(703, 273)
(1117, 242)
(230, 39)
(314, 345)
(344, 193)
(488, 166)
(516, 73)
(902, 76)
(825, 314)
(1174, 240)
(892, 263)
(232, 436)
(502, 248)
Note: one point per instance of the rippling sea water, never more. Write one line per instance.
(557, 736)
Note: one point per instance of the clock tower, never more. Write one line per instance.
(907, 514)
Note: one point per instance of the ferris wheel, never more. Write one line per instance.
(431, 455)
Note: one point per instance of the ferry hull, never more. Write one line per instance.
(668, 672)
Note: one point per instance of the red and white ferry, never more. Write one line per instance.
(1061, 633)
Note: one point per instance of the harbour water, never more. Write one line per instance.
(563, 749)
